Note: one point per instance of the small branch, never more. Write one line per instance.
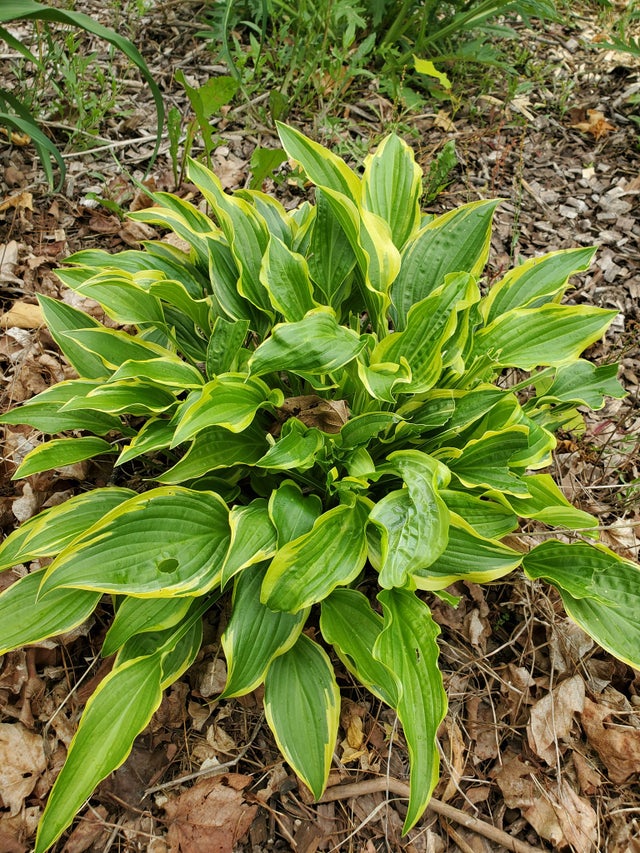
(401, 789)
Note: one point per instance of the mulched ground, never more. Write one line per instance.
(542, 740)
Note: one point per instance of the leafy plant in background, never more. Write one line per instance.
(312, 52)
(13, 112)
(317, 400)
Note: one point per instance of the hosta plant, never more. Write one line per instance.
(323, 406)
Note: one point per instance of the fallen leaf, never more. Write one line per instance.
(326, 415)
(211, 817)
(596, 124)
(22, 315)
(552, 717)
(618, 746)
(90, 827)
(20, 200)
(21, 763)
(553, 809)
(8, 262)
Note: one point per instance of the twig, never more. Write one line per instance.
(401, 789)
(208, 771)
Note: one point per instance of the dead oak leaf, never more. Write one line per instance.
(22, 762)
(596, 124)
(552, 717)
(211, 817)
(618, 746)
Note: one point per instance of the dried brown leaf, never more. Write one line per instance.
(618, 746)
(211, 817)
(22, 315)
(21, 763)
(552, 717)
(596, 124)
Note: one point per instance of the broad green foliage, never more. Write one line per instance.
(14, 114)
(319, 398)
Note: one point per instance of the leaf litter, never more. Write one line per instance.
(542, 738)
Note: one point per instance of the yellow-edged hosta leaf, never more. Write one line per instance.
(285, 276)
(253, 538)
(169, 371)
(331, 258)
(322, 166)
(549, 505)
(224, 344)
(60, 452)
(457, 241)
(534, 282)
(307, 569)
(129, 396)
(296, 448)
(430, 323)
(536, 337)
(407, 647)
(352, 627)
(316, 344)
(468, 556)
(122, 298)
(485, 461)
(302, 706)
(600, 591)
(217, 447)
(113, 347)
(255, 635)
(155, 434)
(140, 616)
(413, 522)
(487, 517)
(47, 533)
(25, 619)
(245, 230)
(231, 400)
(61, 319)
(164, 542)
(392, 186)
(292, 513)
(582, 383)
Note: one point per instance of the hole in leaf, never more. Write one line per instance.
(169, 565)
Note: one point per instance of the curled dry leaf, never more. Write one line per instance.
(596, 124)
(618, 746)
(211, 817)
(552, 718)
(21, 763)
(552, 808)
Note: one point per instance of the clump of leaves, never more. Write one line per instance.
(319, 396)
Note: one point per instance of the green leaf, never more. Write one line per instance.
(487, 518)
(534, 282)
(330, 257)
(348, 622)
(302, 706)
(583, 384)
(547, 504)
(392, 186)
(122, 298)
(468, 556)
(425, 66)
(24, 619)
(61, 452)
(226, 339)
(255, 635)
(214, 448)
(292, 513)
(430, 324)
(22, 121)
(316, 344)
(485, 461)
(550, 335)
(307, 569)
(140, 616)
(600, 591)
(164, 542)
(407, 647)
(166, 372)
(118, 711)
(264, 161)
(457, 241)
(113, 347)
(155, 434)
(43, 412)
(49, 532)
(253, 538)
(296, 448)
(324, 168)
(285, 276)
(129, 396)
(62, 318)
(231, 400)
(413, 522)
